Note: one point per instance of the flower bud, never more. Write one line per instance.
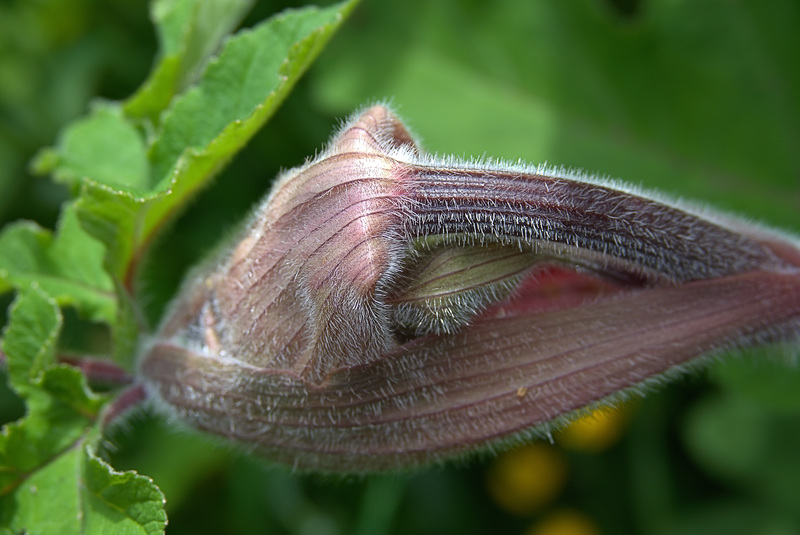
(384, 308)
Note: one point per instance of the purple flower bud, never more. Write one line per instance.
(385, 308)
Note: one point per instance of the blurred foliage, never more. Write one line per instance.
(699, 99)
(596, 431)
(528, 478)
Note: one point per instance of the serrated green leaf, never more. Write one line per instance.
(112, 216)
(47, 501)
(79, 493)
(59, 404)
(66, 386)
(50, 482)
(241, 89)
(189, 33)
(67, 266)
(104, 147)
(120, 502)
(60, 408)
(29, 341)
(53, 422)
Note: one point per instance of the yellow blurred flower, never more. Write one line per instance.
(594, 432)
(525, 479)
(565, 522)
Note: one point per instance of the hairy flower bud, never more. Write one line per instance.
(385, 308)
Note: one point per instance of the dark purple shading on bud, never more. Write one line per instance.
(386, 309)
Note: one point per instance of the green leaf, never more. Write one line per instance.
(79, 493)
(104, 147)
(59, 404)
(47, 501)
(30, 338)
(67, 266)
(119, 502)
(189, 33)
(111, 216)
(239, 91)
(50, 482)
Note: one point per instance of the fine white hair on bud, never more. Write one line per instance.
(384, 308)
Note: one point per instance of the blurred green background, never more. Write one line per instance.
(698, 98)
